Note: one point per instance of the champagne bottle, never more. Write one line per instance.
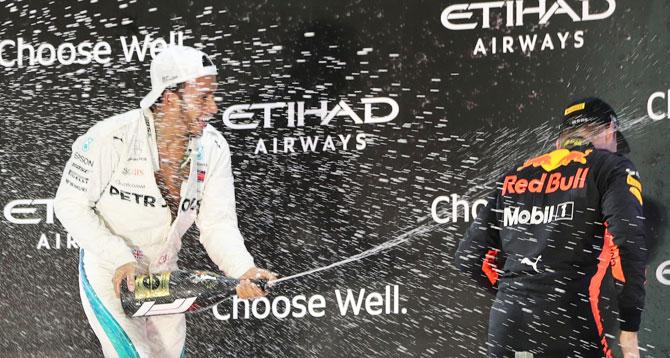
(178, 292)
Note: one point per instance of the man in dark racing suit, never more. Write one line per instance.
(562, 222)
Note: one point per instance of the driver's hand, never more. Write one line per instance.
(629, 345)
(247, 289)
(127, 272)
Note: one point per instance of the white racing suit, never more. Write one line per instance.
(108, 200)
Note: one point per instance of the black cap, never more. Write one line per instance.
(593, 110)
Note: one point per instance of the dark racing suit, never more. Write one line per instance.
(562, 222)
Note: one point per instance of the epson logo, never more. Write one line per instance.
(460, 16)
(537, 215)
(296, 112)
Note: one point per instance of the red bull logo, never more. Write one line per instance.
(558, 158)
(547, 183)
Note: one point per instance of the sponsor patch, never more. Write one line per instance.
(87, 144)
(82, 159)
(138, 253)
(132, 171)
(547, 183)
(513, 216)
(635, 185)
(75, 185)
(636, 193)
(558, 158)
(634, 182)
(575, 108)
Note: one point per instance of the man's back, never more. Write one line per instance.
(551, 216)
(561, 221)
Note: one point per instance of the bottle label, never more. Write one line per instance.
(152, 286)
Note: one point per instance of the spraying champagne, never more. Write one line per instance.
(178, 292)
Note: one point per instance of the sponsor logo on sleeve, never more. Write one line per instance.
(77, 176)
(83, 160)
(634, 186)
(87, 144)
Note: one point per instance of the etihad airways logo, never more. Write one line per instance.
(22, 211)
(484, 15)
(297, 114)
(38, 212)
(460, 16)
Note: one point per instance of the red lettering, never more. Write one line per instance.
(554, 183)
(576, 181)
(508, 184)
(582, 180)
(535, 185)
(566, 182)
(520, 186)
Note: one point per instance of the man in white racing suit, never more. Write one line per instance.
(135, 183)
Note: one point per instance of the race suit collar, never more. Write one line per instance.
(151, 138)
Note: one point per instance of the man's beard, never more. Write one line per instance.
(189, 123)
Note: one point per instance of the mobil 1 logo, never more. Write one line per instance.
(513, 216)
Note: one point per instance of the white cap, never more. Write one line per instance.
(173, 65)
